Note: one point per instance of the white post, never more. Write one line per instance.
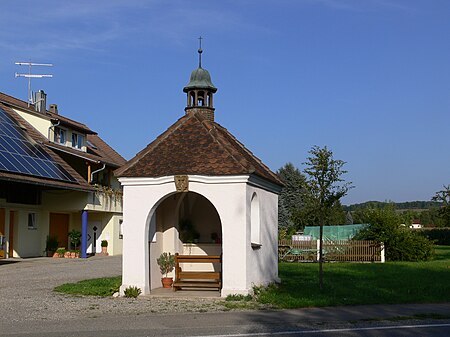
(382, 253)
(318, 249)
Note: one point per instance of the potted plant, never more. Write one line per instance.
(51, 245)
(166, 263)
(188, 233)
(104, 245)
(60, 252)
(75, 238)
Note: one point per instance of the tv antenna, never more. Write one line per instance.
(30, 75)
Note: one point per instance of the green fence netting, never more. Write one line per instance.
(340, 232)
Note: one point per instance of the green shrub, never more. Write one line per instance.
(440, 236)
(407, 245)
(132, 292)
(401, 243)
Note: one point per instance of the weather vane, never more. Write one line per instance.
(200, 51)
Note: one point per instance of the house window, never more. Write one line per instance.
(60, 135)
(255, 223)
(77, 140)
(32, 221)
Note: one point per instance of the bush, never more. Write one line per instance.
(440, 236)
(132, 292)
(409, 246)
(401, 243)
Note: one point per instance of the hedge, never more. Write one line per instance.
(440, 236)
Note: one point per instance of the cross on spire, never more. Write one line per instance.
(200, 51)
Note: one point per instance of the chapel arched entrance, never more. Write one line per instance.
(186, 223)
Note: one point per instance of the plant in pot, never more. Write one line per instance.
(166, 263)
(188, 233)
(51, 245)
(60, 252)
(104, 245)
(75, 238)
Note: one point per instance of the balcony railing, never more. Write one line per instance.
(106, 199)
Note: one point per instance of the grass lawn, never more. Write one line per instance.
(344, 284)
(95, 287)
(362, 283)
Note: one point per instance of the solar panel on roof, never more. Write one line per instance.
(20, 154)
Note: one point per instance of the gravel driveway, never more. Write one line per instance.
(26, 291)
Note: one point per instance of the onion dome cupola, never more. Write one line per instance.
(200, 90)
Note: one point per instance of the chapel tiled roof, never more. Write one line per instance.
(196, 146)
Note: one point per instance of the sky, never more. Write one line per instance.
(369, 79)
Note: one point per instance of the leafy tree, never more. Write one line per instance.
(400, 242)
(444, 211)
(308, 215)
(291, 197)
(325, 189)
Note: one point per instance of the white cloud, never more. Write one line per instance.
(58, 26)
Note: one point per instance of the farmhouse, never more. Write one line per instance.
(55, 176)
(196, 190)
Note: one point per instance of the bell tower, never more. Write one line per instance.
(200, 90)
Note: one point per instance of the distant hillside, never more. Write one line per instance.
(413, 205)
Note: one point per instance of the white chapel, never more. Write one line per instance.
(196, 190)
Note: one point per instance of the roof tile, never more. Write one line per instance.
(194, 145)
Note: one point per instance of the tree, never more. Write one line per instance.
(325, 189)
(400, 242)
(444, 211)
(291, 197)
(308, 215)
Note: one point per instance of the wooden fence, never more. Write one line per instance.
(342, 251)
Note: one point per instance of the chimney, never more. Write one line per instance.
(53, 108)
(40, 101)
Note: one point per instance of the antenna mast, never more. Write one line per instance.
(30, 75)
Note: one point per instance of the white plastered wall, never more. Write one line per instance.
(29, 242)
(230, 197)
(39, 121)
(140, 200)
(263, 258)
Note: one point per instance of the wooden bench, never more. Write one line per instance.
(197, 279)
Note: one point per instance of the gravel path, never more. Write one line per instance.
(26, 292)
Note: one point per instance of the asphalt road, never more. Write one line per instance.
(302, 322)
